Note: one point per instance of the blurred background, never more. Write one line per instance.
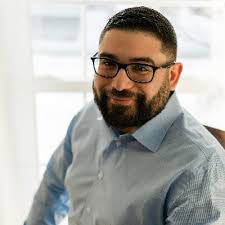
(46, 75)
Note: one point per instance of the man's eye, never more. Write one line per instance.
(140, 68)
(106, 62)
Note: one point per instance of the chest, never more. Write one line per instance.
(121, 184)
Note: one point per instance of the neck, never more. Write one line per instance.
(129, 130)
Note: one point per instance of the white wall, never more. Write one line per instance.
(5, 163)
(18, 161)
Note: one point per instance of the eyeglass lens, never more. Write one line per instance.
(135, 71)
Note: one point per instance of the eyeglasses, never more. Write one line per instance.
(137, 72)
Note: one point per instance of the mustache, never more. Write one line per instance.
(123, 93)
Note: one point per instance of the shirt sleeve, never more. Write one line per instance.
(51, 202)
(198, 198)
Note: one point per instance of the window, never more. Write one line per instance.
(65, 35)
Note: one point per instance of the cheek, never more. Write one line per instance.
(153, 88)
(101, 82)
(149, 90)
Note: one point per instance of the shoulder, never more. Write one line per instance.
(83, 120)
(193, 142)
(87, 114)
(200, 160)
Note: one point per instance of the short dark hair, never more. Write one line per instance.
(148, 20)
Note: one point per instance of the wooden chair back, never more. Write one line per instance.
(218, 134)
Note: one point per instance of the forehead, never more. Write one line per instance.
(127, 44)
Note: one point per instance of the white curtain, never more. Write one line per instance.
(18, 155)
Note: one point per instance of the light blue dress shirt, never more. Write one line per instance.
(171, 171)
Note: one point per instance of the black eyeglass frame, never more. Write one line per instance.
(124, 66)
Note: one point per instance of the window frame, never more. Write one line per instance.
(52, 85)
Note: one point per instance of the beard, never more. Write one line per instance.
(135, 115)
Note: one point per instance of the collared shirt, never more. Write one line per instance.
(171, 171)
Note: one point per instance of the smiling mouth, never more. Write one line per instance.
(122, 101)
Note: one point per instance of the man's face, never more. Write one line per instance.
(124, 104)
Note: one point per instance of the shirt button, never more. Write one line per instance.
(88, 210)
(100, 175)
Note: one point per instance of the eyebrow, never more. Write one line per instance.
(109, 55)
(135, 59)
(143, 59)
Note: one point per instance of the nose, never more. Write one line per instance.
(122, 81)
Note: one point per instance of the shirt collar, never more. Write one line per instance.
(152, 133)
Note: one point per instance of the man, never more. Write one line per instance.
(134, 156)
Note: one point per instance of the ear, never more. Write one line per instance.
(174, 75)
